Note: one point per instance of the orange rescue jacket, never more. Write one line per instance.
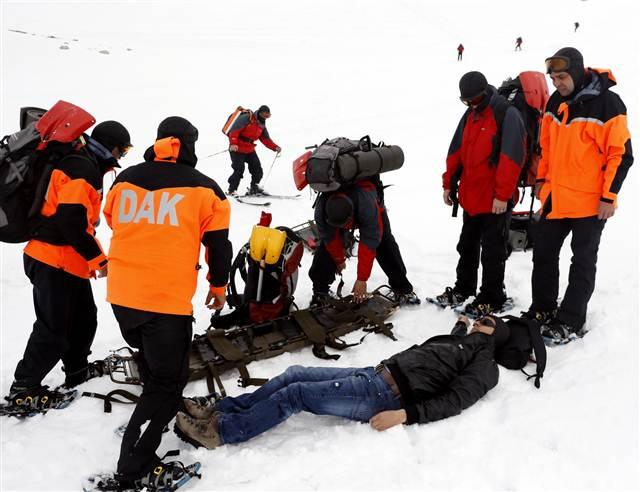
(160, 211)
(586, 149)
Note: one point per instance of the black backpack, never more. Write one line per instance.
(523, 342)
(27, 159)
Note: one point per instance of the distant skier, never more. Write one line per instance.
(576, 25)
(245, 131)
(460, 50)
(519, 44)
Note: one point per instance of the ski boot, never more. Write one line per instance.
(27, 402)
(254, 189)
(198, 432)
(449, 298)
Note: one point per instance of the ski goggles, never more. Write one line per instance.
(123, 150)
(557, 64)
(473, 101)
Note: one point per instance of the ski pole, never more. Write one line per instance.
(271, 167)
(216, 153)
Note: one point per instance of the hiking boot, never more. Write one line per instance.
(92, 370)
(477, 308)
(254, 189)
(544, 318)
(36, 399)
(406, 299)
(198, 432)
(200, 407)
(451, 297)
(167, 476)
(559, 333)
(322, 298)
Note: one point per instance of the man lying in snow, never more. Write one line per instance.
(424, 383)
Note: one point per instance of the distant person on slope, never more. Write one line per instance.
(460, 51)
(586, 154)
(485, 193)
(576, 25)
(245, 131)
(60, 261)
(425, 383)
(518, 44)
(160, 212)
(358, 206)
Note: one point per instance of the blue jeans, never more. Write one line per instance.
(352, 393)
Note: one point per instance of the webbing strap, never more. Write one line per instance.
(309, 325)
(129, 398)
(223, 346)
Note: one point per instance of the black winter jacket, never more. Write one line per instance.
(444, 375)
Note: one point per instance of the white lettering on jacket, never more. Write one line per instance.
(130, 211)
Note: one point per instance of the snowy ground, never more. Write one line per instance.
(331, 68)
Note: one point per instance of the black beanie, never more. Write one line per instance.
(576, 65)
(338, 210)
(472, 84)
(183, 130)
(264, 109)
(501, 332)
(111, 134)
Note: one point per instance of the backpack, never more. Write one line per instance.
(524, 340)
(268, 264)
(27, 159)
(340, 161)
(528, 93)
(233, 117)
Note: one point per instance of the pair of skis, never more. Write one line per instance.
(247, 199)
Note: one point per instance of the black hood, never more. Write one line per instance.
(183, 130)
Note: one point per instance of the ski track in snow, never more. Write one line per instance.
(383, 68)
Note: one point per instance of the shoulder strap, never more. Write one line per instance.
(499, 111)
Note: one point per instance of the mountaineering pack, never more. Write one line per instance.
(226, 128)
(528, 93)
(268, 264)
(27, 159)
(524, 340)
(340, 161)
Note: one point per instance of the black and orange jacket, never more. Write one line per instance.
(246, 130)
(160, 211)
(65, 238)
(586, 149)
(470, 153)
(367, 219)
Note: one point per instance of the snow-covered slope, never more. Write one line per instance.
(338, 68)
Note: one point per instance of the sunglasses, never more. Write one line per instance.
(487, 321)
(123, 150)
(557, 64)
(473, 101)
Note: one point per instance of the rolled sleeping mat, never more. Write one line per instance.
(358, 165)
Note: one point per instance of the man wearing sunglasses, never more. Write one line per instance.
(60, 260)
(586, 154)
(424, 383)
(485, 193)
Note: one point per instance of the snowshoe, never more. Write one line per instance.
(560, 334)
(449, 298)
(544, 318)
(477, 308)
(322, 298)
(165, 477)
(405, 299)
(27, 402)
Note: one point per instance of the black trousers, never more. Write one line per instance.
(323, 269)
(585, 241)
(483, 239)
(237, 164)
(66, 323)
(163, 341)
